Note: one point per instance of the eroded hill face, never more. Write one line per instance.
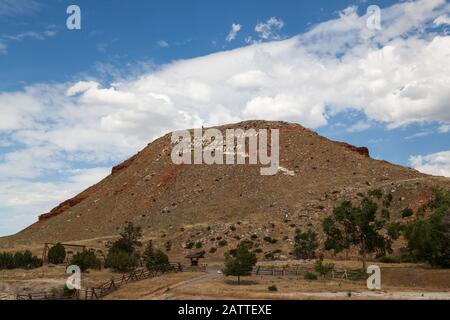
(183, 203)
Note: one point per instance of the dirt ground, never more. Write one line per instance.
(399, 281)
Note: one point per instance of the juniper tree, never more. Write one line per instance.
(239, 262)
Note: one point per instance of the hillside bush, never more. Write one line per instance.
(86, 260)
(56, 254)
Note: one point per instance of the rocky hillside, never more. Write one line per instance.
(209, 203)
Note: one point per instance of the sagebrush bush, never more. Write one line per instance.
(272, 288)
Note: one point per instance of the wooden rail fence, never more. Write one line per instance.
(107, 287)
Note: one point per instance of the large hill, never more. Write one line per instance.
(183, 203)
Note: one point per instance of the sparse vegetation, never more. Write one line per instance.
(56, 254)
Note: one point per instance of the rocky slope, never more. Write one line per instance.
(208, 203)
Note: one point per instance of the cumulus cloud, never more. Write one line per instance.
(437, 164)
(235, 28)
(268, 30)
(442, 20)
(396, 76)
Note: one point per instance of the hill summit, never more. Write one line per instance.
(201, 201)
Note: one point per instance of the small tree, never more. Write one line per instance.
(305, 244)
(429, 238)
(356, 226)
(57, 254)
(155, 259)
(240, 263)
(122, 255)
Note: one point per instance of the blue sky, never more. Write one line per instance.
(76, 102)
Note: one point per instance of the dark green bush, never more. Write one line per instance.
(253, 237)
(6, 260)
(86, 260)
(272, 288)
(57, 254)
(270, 240)
(407, 212)
(212, 250)
(198, 245)
(222, 243)
(310, 276)
(121, 261)
(323, 269)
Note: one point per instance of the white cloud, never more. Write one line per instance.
(235, 28)
(397, 77)
(36, 35)
(359, 126)
(442, 20)
(444, 128)
(437, 164)
(163, 44)
(18, 7)
(268, 30)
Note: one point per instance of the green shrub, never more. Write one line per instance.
(306, 244)
(233, 228)
(212, 250)
(189, 245)
(56, 254)
(168, 245)
(258, 250)
(68, 293)
(253, 237)
(86, 260)
(155, 259)
(270, 240)
(323, 269)
(6, 260)
(121, 261)
(407, 212)
(198, 245)
(222, 243)
(386, 259)
(377, 193)
(310, 276)
(272, 288)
